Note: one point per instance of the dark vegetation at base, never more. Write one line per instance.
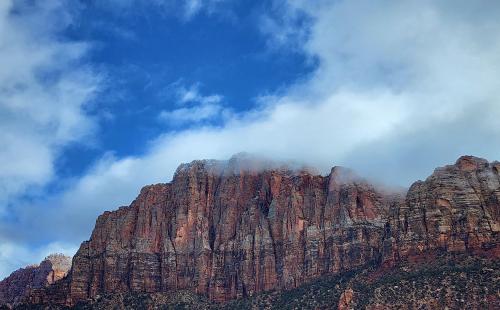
(322, 293)
(455, 282)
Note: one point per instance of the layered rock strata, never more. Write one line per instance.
(23, 282)
(230, 229)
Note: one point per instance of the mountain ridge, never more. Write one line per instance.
(20, 283)
(237, 234)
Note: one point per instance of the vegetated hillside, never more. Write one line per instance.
(452, 282)
(447, 282)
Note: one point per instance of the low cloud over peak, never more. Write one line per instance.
(399, 89)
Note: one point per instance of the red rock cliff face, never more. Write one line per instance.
(455, 210)
(227, 231)
(22, 282)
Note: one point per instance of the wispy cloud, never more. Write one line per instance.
(191, 8)
(196, 107)
(193, 114)
(44, 91)
(192, 94)
(285, 26)
(184, 10)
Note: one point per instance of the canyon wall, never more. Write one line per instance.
(232, 229)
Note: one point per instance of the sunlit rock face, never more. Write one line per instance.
(21, 283)
(232, 229)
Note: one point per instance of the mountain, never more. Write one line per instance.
(239, 229)
(20, 283)
(456, 282)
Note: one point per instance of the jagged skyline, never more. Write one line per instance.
(100, 98)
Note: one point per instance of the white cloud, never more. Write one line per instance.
(203, 108)
(43, 93)
(191, 115)
(185, 10)
(192, 95)
(285, 26)
(192, 7)
(400, 89)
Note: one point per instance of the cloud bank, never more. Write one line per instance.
(400, 88)
(197, 108)
(43, 94)
(45, 89)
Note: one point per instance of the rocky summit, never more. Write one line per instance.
(21, 283)
(238, 229)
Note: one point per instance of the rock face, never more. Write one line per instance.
(232, 229)
(456, 210)
(443, 282)
(22, 282)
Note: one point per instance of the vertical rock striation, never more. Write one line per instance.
(232, 229)
(23, 282)
(455, 210)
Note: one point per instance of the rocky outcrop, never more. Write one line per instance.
(232, 229)
(21, 283)
(228, 232)
(456, 209)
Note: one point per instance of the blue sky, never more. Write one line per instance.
(99, 98)
(149, 55)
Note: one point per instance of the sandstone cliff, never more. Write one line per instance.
(456, 209)
(22, 282)
(230, 229)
